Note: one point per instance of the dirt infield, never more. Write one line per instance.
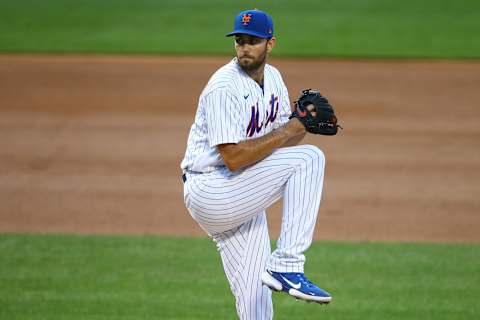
(93, 145)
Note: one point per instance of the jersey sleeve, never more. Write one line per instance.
(224, 118)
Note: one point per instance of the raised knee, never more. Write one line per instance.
(316, 154)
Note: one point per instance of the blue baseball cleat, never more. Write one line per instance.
(296, 285)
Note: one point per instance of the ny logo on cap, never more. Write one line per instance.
(246, 18)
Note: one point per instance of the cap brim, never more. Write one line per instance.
(249, 32)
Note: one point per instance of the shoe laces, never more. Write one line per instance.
(307, 282)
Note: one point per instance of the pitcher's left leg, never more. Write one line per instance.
(244, 251)
(301, 202)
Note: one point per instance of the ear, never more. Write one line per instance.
(270, 44)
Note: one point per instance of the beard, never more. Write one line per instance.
(250, 64)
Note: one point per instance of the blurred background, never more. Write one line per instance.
(96, 102)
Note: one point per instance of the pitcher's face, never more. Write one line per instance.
(252, 51)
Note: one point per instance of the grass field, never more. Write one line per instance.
(113, 277)
(340, 28)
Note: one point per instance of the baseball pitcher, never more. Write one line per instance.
(242, 155)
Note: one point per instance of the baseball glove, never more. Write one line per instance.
(321, 119)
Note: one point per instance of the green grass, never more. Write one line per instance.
(334, 28)
(113, 277)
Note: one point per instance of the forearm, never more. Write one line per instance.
(294, 141)
(245, 153)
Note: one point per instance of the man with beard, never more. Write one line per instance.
(242, 156)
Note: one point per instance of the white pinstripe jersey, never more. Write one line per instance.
(233, 108)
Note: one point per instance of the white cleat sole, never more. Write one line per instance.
(300, 295)
(271, 282)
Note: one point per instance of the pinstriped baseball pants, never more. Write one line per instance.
(230, 207)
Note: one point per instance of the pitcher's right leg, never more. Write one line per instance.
(244, 251)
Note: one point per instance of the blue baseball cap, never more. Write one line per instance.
(253, 22)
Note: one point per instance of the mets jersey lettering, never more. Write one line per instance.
(255, 126)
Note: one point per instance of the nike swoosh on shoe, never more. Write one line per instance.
(293, 285)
